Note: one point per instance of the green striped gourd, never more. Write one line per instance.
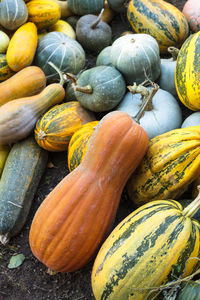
(171, 163)
(5, 70)
(150, 247)
(187, 72)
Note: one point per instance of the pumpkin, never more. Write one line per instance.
(117, 5)
(66, 53)
(191, 10)
(166, 79)
(4, 41)
(160, 19)
(13, 14)
(4, 150)
(76, 216)
(99, 88)
(64, 9)
(27, 82)
(151, 246)
(80, 7)
(172, 162)
(18, 117)
(192, 120)
(103, 58)
(22, 47)
(92, 33)
(136, 56)
(79, 143)
(55, 128)
(187, 72)
(5, 70)
(190, 290)
(27, 162)
(43, 13)
(72, 20)
(162, 114)
(64, 27)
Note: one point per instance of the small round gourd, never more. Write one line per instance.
(80, 7)
(100, 88)
(66, 53)
(92, 33)
(13, 13)
(162, 115)
(4, 41)
(103, 59)
(136, 56)
(192, 120)
(117, 5)
(191, 11)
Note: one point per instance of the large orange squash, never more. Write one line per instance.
(77, 215)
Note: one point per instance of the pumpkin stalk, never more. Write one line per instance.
(4, 239)
(83, 89)
(94, 25)
(193, 207)
(61, 82)
(174, 52)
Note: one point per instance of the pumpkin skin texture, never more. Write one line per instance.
(192, 120)
(18, 117)
(13, 14)
(64, 27)
(43, 13)
(87, 198)
(5, 70)
(54, 129)
(187, 72)
(27, 82)
(191, 11)
(161, 20)
(4, 41)
(191, 290)
(79, 143)
(135, 54)
(80, 7)
(117, 5)
(107, 88)
(27, 161)
(171, 163)
(145, 250)
(4, 150)
(66, 53)
(103, 59)
(163, 115)
(93, 38)
(22, 47)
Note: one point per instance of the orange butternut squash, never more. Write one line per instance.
(78, 214)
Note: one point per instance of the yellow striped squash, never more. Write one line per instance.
(148, 248)
(5, 70)
(54, 129)
(43, 13)
(187, 73)
(79, 143)
(172, 162)
(160, 19)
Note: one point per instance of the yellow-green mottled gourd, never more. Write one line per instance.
(187, 73)
(172, 162)
(157, 243)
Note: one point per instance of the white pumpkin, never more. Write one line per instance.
(192, 120)
(164, 116)
(135, 56)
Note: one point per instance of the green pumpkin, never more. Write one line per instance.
(117, 5)
(103, 59)
(81, 7)
(100, 88)
(190, 291)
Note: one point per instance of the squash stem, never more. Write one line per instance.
(193, 207)
(83, 89)
(72, 77)
(59, 73)
(174, 52)
(94, 25)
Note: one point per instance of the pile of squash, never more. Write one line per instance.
(122, 126)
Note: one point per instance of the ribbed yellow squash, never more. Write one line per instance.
(79, 143)
(172, 162)
(187, 73)
(153, 245)
(160, 19)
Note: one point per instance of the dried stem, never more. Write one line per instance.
(174, 52)
(94, 25)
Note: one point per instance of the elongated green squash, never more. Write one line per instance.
(150, 247)
(22, 172)
(172, 162)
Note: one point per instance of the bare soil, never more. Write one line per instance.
(30, 281)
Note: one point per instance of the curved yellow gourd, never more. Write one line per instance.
(22, 47)
(64, 27)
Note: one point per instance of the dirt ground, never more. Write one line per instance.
(30, 281)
